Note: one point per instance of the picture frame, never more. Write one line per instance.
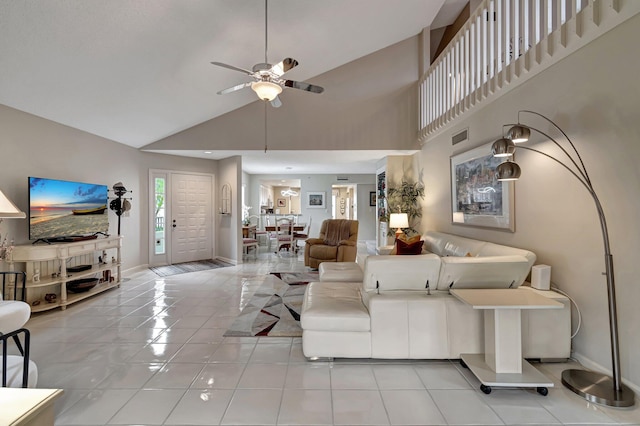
(477, 197)
(316, 200)
(372, 199)
(281, 202)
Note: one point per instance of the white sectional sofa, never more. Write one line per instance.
(392, 314)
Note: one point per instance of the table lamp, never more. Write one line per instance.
(398, 221)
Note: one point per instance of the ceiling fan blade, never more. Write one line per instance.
(276, 102)
(234, 88)
(231, 67)
(304, 86)
(283, 66)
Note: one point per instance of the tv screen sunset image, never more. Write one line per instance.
(60, 208)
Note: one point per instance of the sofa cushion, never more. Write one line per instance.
(340, 271)
(491, 249)
(334, 306)
(390, 273)
(451, 245)
(483, 272)
(15, 315)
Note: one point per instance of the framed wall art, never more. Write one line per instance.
(372, 198)
(477, 197)
(281, 202)
(316, 200)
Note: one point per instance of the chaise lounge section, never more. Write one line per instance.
(402, 308)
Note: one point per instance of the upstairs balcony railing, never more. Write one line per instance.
(505, 42)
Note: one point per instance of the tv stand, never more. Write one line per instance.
(68, 239)
(47, 273)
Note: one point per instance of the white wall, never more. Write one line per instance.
(370, 103)
(32, 146)
(229, 246)
(323, 183)
(594, 96)
(366, 213)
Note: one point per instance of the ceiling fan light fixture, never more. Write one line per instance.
(266, 90)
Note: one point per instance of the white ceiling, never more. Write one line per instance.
(137, 71)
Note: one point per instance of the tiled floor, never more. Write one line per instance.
(153, 353)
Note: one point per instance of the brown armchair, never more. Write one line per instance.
(337, 243)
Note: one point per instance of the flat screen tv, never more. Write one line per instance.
(60, 209)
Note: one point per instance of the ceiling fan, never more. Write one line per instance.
(267, 78)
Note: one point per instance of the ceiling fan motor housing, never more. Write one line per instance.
(261, 67)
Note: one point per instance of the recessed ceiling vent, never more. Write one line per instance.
(342, 178)
(460, 136)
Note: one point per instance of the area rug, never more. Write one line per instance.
(181, 268)
(274, 309)
(296, 278)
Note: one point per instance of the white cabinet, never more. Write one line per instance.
(51, 267)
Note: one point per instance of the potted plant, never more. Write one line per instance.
(404, 199)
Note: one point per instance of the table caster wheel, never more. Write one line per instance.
(485, 389)
(463, 364)
(543, 391)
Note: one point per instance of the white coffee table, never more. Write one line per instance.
(502, 363)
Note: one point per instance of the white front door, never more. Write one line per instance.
(191, 222)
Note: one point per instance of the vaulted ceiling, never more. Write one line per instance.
(138, 71)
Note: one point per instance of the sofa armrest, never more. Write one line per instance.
(346, 253)
(347, 243)
(312, 241)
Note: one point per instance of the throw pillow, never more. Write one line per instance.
(403, 237)
(409, 248)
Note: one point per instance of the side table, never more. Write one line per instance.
(28, 407)
(502, 363)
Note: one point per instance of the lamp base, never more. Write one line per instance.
(597, 388)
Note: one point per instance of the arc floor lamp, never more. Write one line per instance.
(595, 387)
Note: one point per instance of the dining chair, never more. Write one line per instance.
(271, 235)
(14, 314)
(284, 228)
(255, 220)
(302, 236)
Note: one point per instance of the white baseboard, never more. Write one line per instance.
(135, 269)
(224, 259)
(591, 365)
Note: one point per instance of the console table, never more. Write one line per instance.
(49, 267)
(502, 363)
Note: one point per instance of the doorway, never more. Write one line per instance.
(280, 197)
(344, 202)
(181, 220)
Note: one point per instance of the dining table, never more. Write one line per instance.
(273, 228)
